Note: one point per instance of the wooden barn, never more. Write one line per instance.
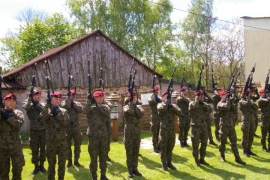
(86, 55)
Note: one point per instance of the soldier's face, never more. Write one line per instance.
(9, 103)
(56, 101)
(164, 97)
(223, 97)
(201, 97)
(262, 94)
(156, 92)
(218, 91)
(37, 97)
(134, 99)
(99, 99)
(72, 97)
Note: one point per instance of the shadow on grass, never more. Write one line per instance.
(40, 175)
(116, 169)
(79, 173)
(224, 174)
(150, 164)
(182, 175)
(178, 159)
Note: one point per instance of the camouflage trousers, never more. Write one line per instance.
(166, 143)
(256, 121)
(37, 144)
(155, 132)
(228, 131)
(184, 125)
(209, 131)
(199, 135)
(56, 146)
(265, 130)
(248, 129)
(97, 149)
(75, 134)
(216, 120)
(108, 143)
(15, 154)
(132, 146)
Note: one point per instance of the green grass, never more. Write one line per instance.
(258, 167)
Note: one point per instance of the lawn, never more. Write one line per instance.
(258, 167)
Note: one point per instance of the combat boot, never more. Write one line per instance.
(222, 157)
(197, 162)
(202, 161)
(35, 171)
(182, 145)
(186, 144)
(94, 175)
(239, 160)
(108, 158)
(264, 148)
(171, 166)
(103, 177)
(251, 153)
(136, 172)
(76, 163)
(69, 164)
(41, 167)
(156, 150)
(246, 154)
(212, 142)
(164, 167)
(130, 173)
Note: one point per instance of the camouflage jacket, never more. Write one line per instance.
(264, 104)
(183, 103)
(153, 102)
(132, 115)
(167, 115)
(73, 108)
(33, 113)
(108, 123)
(224, 111)
(9, 129)
(199, 112)
(97, 117)
(234, 104)
(248, 107)
(56, 122)
(216, 98)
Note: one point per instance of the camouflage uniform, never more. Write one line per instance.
(209, 100)
(248, 107)
(132, 139)
(184, 119)
(167, 130)
(37, 131)
(198, 111)
(234, 108)
(10, 144)
(155, 119)
(216, 98)
(56, 139)
(254, 98)
(73, 128)
(97, 116)
(264, 104)
(109, 132)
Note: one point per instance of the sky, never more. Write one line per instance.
(223, 9)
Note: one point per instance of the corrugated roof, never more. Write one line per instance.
(12, 85)
(54, 51)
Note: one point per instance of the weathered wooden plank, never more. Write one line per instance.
(64, 63)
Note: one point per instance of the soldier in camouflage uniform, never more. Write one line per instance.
(33, 108)
(234, 107)
(184, 119)
(216, 99)
(11, 121)
(248, 107)
(73, 128)
(155, 119)
(132, 114)
(254, 97)
(167, 112)
(264, 104)
(227, 125)
(198, 110)
(97, 113)
(56, 119)
(109, 132)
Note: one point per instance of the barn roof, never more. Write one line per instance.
(54, 51)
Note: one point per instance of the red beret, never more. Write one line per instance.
(10, 96)
(156, 87)
(57, 94)
(98, 93)
(262, 91)
(183, 89)
(37, 92)
(164, 93)
(223, 93)
(219, 89)
(248, 90)
(201, 92)
(72, 92)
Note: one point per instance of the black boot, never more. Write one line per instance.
(136, 172)
(164, 167)
(94, 175)
(182, 145)
(202, 161)
(69, 164)
(222, 157)
(41, 167)
(108, 158)
(212, 142)
(246, 153)
(35, 171)
(186, 144)
(130, 173)
(239, 160)
(171, 166)
(197, 162)
(251, 153)
(156, 150)
(103, 177)
(265, 149)
(76, 163)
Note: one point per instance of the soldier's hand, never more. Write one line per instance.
(4, 115)
(170, 105)
(54, 113)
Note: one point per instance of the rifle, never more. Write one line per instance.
(183, 79)
(154, 83)
(90, 94)
(130, 76)
(213, 81)
(49, 99)
(230, 84)
(199, 84)
(100, 80)
(170, 86)
(236, 78)
(69, 81)
(249, 81)
(132, 86)
(267, 85)
(33, 82)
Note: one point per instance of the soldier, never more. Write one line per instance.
(155, 119)
(97, 113)
(184, 120)
(264, 104)
(109, 133)
(248, 107)
(73, 128)
(33, 108)
(56, 119)
(11, 121)
(227, 125)
(133, 111)
(254, 97)
(167, 112)
(199, 134)
(234, 106)
(216, 99)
